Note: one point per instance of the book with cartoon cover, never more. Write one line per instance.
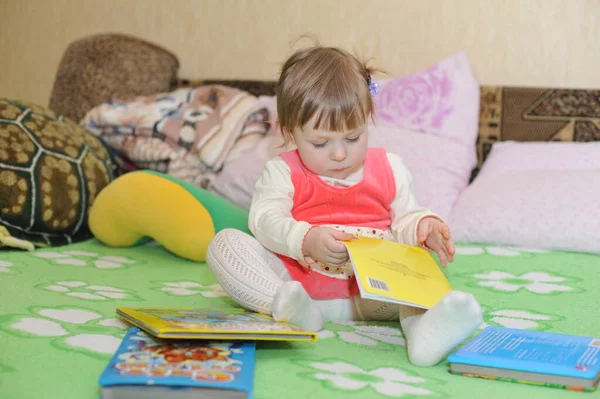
(146, 367)
(392, 272)
(225, 324)
(532, 357)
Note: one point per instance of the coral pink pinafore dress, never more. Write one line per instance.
(361, 209)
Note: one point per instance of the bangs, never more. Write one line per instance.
(341, 106)
(342, 117)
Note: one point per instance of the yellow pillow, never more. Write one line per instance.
(180, 216)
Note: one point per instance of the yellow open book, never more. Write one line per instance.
(224, 324)
(392, 272)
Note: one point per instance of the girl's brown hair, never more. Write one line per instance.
(326, 83)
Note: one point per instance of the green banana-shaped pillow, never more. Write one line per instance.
(146, 204)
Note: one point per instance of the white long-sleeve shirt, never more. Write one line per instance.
(273, 225)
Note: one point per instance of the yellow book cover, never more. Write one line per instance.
(392, 272)
(225, 324)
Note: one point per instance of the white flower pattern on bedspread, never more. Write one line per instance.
(386, 381)
(85, 259)
(5, 266)
(535, 282)
(68, 328)
(90, 292)
(517, 318)
(367, 334)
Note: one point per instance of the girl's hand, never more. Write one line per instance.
(435, 235)
(323, 244)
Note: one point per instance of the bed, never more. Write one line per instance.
(58, 325)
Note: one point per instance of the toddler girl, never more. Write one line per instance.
(333, 186)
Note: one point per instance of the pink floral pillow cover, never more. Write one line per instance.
(442, 100)
(430, 118)
(536, 195)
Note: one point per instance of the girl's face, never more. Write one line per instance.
(332, 154)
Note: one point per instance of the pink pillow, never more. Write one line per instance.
(442, 100)
(430, 118)
(437, 164)
(513, 156)
(538, 195)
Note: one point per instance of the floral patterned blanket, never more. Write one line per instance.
(58, 327)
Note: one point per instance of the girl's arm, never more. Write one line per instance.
(406, 212)
(271, 219)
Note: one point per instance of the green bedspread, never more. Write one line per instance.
(58, 327)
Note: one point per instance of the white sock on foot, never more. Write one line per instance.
(292, 304)
(431, 335)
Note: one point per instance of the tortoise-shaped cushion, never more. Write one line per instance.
(51, 170)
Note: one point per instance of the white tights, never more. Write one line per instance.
(258, 280)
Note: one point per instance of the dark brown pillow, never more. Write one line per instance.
(101, 67)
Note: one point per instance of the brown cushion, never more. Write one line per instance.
(97, 68)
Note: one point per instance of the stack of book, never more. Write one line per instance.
(189, 353)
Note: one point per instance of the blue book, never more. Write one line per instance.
(532, 357)
(147, 367)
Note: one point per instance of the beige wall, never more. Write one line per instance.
(511, 42)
